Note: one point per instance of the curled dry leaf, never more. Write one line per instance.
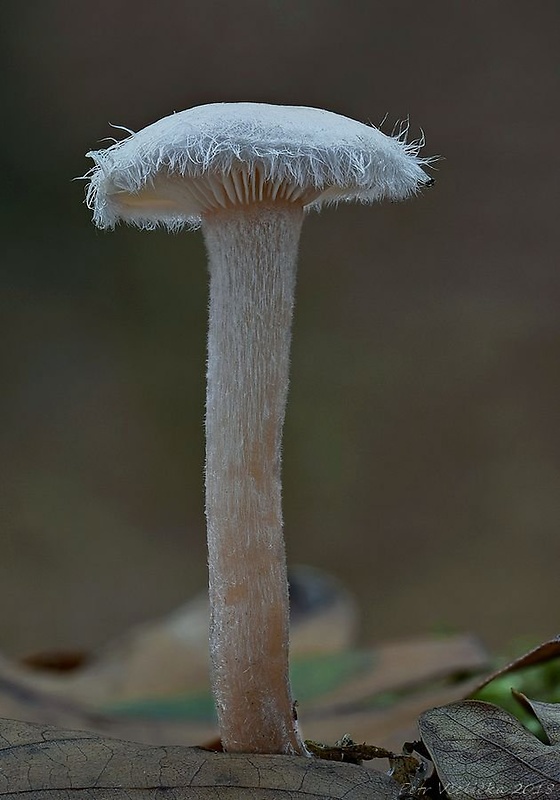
(55, 763)
(538, 655)
(482, 752)
(548, 714)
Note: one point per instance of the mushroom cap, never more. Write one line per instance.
(215, 156)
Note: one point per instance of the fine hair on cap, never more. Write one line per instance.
(172, 172)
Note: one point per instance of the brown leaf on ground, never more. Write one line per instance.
(548, 714)
(406, 664)
(55, 763)
(481, 752)
(538, 655)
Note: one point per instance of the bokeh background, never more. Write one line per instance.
(422, 446)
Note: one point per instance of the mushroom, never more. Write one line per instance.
(247, 173)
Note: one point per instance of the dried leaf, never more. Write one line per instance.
(394, 666)
(538, 655)
(548, 714)
(59, 764)
(482, 752)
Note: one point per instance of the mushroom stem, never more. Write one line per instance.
(252, 254)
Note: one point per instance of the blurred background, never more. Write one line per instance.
(422, 445)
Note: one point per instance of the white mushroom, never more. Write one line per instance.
(247, 172)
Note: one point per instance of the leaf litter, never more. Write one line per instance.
(468, 749)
